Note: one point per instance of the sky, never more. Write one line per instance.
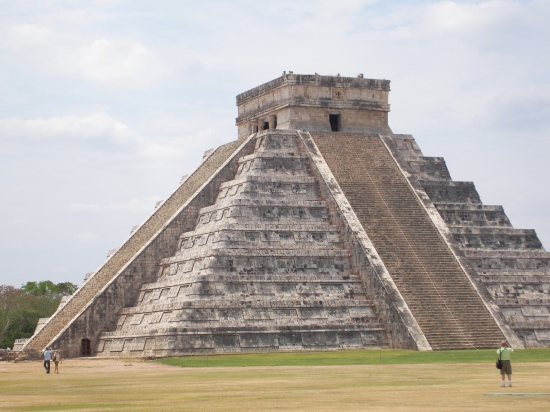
(105, 105)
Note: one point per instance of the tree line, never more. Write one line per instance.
(20, 308)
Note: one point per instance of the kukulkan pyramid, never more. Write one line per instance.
(318, 228)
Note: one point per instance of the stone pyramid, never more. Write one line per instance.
(318, 228)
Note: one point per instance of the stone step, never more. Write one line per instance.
(264, 252)
(248, 303)
(232, 280)
(274, 154)
(263, 227)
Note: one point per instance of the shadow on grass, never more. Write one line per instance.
(353, 357)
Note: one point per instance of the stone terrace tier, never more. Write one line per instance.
(263, 269)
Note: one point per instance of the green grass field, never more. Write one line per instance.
(354, 357)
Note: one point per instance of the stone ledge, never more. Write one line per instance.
(313, 80)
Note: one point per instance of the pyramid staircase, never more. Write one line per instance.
(447, 308)
(510, 262)
(264, 269)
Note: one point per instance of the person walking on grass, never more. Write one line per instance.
(56, 359)
(504, 353)
(47, 359)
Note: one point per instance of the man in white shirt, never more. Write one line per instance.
(47, 359)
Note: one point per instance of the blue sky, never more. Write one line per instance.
(104, 105)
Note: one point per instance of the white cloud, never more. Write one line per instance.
(21, 222)
(16, 222)
(86, 237)
(453, 16)
(134, 205)
(120, 64)
(519, 112)
(24, 36)
(94, 127)
(111, 62)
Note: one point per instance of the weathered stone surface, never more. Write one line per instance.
(20, 343)
(280, 241)
(296, 101)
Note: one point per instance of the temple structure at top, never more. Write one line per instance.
(318, 228)
(315, 103)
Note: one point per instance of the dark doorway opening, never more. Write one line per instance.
(85, 347)
(334, 120)
(266, 125)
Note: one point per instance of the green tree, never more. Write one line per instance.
(20, 309)
(11, 301)
(48, 289)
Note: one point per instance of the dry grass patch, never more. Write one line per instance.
(99, 385)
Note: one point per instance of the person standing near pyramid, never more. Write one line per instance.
(56, 360)
(47, 359)
(504, 353)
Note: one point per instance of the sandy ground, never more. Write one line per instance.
(98, 385)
